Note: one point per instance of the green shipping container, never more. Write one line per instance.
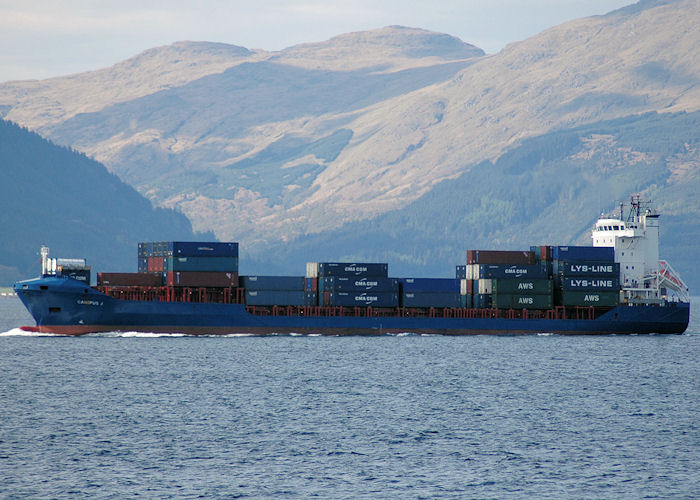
(587, 298)
(521, 301)
(522, 286)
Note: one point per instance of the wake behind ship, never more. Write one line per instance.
(616, 286)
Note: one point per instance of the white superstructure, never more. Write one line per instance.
(635, 237)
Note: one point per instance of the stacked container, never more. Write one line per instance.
(352, 284)
(191, 263)
(276, 291)
(586, 276)
(431, 292)
(506, 279)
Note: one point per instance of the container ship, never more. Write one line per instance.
(617, 285)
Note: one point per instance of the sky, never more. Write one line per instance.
(45, 38)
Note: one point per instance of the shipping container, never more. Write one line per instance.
(157, 264)
(586, 268)
(530, 286)
(203, 249)
(435, 285)
(202, 279)
(483, 271)
(482, 301)
(466, 287)
(273, 282)
(188, 249)
(586, 253)
(461, 272)
(352, 269)
(312, 269)
(211, 264)
(349, 299)
(586, 283)
(431, 299)
(82, 275)
(145, 249)
(311, 284)
(467, 301)
(143, 264)
(521, 301)
(484, 286)
(512, 257)
(275, 298)
(587, 298)
(357, 284)
(130, 279)
(311, 298)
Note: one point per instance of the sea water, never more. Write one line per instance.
(126, 415)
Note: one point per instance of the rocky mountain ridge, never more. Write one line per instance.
(266, 147)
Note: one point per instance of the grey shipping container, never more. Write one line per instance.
(590, 283)
(273, 282)
(275, 298)
(588, 298)
(521, 301)
(586, 268)
(431, 299)
(358, 284)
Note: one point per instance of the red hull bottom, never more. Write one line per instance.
(77, 330)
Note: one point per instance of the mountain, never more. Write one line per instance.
(250, 139)
(54, 196)
(549, 189)
(293, 152)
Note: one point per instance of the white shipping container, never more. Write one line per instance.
(312, 269)
(485, 286)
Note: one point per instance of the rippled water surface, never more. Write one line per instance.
(372, 417)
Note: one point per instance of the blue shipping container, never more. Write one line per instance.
(358, 284)
(373, 299)
(220, 264)
(203, 249)
(275, 298)
(352, 269)
(482, 301)
(571, 253)
(461, 272)
(431, 299)
(586, 283)
(272, 282)
(437, 285)
(586, 268)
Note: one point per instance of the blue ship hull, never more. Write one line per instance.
(66, 306)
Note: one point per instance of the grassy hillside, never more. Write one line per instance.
(50, 195)
(547, 190)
